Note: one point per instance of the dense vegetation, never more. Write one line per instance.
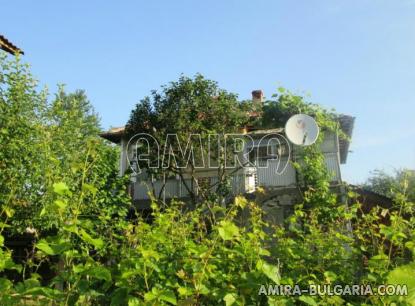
(59, 186)
(390, 185)
(181, 116)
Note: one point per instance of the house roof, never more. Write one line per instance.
(7, 46)
(114, 134)
(370, 198)
(265, 131)
(346, 124)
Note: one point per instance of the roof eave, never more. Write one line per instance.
(347, 126)
(113, 136)
(7, 46)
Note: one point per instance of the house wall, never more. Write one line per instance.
(279, 173)
(240, 183)
(269, 174)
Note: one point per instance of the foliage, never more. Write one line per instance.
(276, 112)
(389, 185)
(188, 111)
(330, 240)
(71, 195)
(43, 143)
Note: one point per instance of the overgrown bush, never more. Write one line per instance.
(59, 183)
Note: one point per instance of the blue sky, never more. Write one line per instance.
(355, 56)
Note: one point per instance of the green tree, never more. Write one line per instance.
(44, 142)
(275, 112)
(22, 152)
(390, 184)
(186, 107)
(182, 257)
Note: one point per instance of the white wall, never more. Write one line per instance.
(267, 176)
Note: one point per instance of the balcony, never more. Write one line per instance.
(242, 181)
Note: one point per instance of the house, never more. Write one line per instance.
(8, 46)
(266, 158)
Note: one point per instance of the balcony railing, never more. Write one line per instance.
(271, 173)
(241, 181)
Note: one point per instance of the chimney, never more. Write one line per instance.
(257, 96)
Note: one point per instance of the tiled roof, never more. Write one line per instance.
(8, 46)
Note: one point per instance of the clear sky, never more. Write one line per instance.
(357, 56)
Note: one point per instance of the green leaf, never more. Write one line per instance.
(240, 201)
(43, 291)
(161, 295)
(61, 189)
(7, 263)
(61, 205)
(89, 189)
(98, 243)
(149, 296)
(228, 230)
(100, 272)
(4, 225)
(404, 275)
(229, 299)
(168, 296)
(119, 297)
(184, 291)
(150, 254)
(330, 276)
(72, 228)
(5, 284)
(53, 248)
(271, 271)
(264, 252)
(78, 268)
(307, 300)
(133, 301)
(9, 211)
(411, 246)
(45, 247)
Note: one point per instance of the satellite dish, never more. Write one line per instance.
(301, 130)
